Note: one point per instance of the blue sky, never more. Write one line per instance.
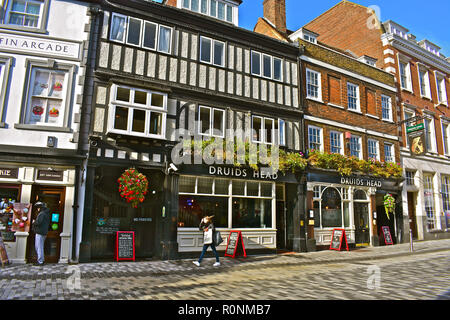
(425, 19)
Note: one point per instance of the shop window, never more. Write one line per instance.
(192, 209)
(446, 193)
(429, 201)
(221, 186)
(8, 196)
(238, 188)
(331, 208)
(137, 112)
(204, 185)
(346, 208)
(252, 213)
(186, 184)
(316, 208)
(47, 96)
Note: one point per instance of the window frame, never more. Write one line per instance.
(357, 97)
(359, 139)
(390, 110)
(263, 135)
(281, 137)
(114, 14)
(377, 149)
(407, 76)
(424, 83)
(211, 122)
(141, 32)
(209, 13)
(5, 67)
(132, 106)
(441, 88)
(261, 66)
(389, 146)
(320, 136)
(432, 135)
(340, 138)
(212, 52)
(42, 23)
(445, 137)
(319, 85)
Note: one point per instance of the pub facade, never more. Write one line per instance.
(167, 76)
(41, 68)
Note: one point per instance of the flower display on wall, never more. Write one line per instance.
(133, 186)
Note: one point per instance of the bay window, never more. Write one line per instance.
(137, 112)
(213, 8)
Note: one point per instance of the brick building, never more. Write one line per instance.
(350, 110)
(422, 79)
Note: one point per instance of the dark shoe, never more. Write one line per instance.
(38, 264)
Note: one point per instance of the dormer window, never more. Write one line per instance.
(310, 38)
(304, 34)
(368, 60)
(214, 8)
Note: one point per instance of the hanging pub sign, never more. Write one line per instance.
(337, 238)
(125, 246)
(416, 137)
(235, 246)
(387, 235)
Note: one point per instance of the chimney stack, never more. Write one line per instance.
(275, 12)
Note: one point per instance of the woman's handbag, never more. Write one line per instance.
(217, 239)
(208, 236)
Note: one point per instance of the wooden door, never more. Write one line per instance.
(53, 197)
(412, 213)
(362, 224)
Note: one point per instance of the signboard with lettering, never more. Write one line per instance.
(39, 46)
(9, 173)
(415, 128)
(235, 245)
(125, 246)
(337, 238)
(107, 225)
(50, 175)
(387, 235)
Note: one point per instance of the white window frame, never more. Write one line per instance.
(340, 139)
(350, 86)
(281, 128)
(209, 12)
(413, 114)
(212, 52)
(159, 38)
(377, 149)
(432, 135)
(142, 23)
(148, 108)
(43, 14)
(263, 134)
(425, 82)
(446, 137)
(261, 66)
(156, 35)
(359, 143)
(386, 99)
(319, 85)
(211, 132)
(125, 31)
(319, 134)
(391, 149)
(407, 74)
(441, 89)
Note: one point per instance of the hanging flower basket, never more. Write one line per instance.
(389, 204)
(133, 186)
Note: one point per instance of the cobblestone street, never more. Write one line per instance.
(325, 275)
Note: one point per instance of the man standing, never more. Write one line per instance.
(40, 227)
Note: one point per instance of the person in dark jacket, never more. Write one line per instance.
(40, 228)
(205, 225)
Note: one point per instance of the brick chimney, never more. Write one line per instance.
(275, 12)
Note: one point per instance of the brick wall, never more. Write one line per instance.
(172, 3)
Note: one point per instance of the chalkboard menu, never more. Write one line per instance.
(387, 235)
(337, 238)
(235, 246)
(125, 245)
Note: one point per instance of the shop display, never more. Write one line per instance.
(21, 220)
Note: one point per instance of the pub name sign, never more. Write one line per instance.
(361, 182)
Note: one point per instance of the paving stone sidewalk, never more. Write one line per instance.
(161, 268)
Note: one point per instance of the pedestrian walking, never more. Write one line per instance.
(40, 228)
(209, 231)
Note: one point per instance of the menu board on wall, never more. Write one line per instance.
(125, 245)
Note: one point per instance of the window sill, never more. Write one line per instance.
(335, 105)
(314, 99)
(372, 116)
(407, 90)
(355, 111)
(441, 104)
(23, 29)
(387, 120)
(42, 128)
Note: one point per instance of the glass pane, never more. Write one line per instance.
(256, 63)
(186, 4)
(204, 6)
(252, 189)
(221, 11)
(277, 69)
(316, 208)
(31, 21)
(134, 31)
(346, 214)
(37, 109)
(213, 7)
(238, 187)
(331, 208)
(123, 94)
(121, 118)
(193, 208)
(218, 53)
(194, 5)
(266, 189)
(252, 213)
(150, 35)
(18, 6)
(156, 123)
(204, 120)
(221, 186)
(205, 50)
(33, 8)
(187, 184)
(16, 19)
(267, 63)
(138, 121)
(204, 185)
(55, 113)
(229, 13)
(218, 122)
(118, 28)
(57, 84)
(41, 83)
(268, 127)
(257, 127)
(157, 100)
(140, 97)
(164, 39)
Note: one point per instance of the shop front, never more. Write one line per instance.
(350, 203)
(240, 199)
(27, 185)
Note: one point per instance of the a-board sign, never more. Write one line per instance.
(125, 245)
(337, 238)
(235, 245)
(447, 219)
(387, 235)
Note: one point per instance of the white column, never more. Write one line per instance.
(437, 200)
(420, 206)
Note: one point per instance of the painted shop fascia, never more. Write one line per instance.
(188, 86)
(41, 68)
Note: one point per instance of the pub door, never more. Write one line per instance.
(362, 224)
(412, 213)
(53, 197)
(281, 226)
